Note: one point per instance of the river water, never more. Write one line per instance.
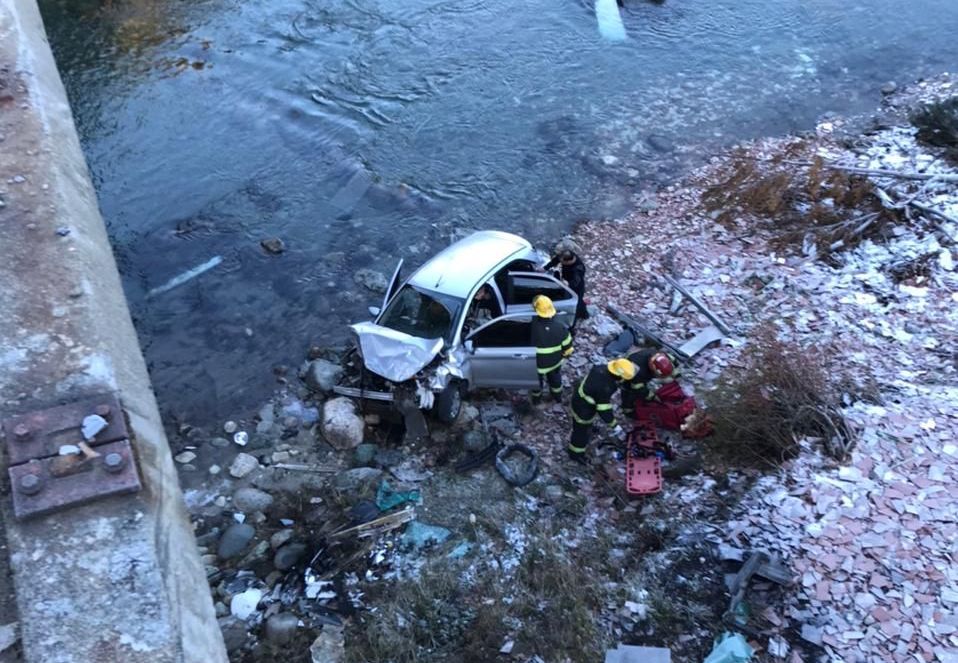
(361, 130)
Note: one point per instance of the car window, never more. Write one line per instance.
(422, 313)
(525, 288)
(504, 334)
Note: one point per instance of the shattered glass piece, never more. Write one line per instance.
(419, 535)
(387, 497)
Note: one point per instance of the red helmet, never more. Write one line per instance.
(661, 365)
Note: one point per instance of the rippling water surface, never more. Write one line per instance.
(359, 130)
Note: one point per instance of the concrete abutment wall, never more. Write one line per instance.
(119, 579)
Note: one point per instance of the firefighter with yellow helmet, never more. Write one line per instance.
(593, 398)
(553, 343)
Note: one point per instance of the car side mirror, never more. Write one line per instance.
(374, 311)
(470, 347)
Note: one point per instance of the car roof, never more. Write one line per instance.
(459, 268)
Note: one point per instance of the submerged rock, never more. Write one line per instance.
(242, 465)
(273, 245)
(356, 479)
(371, 280)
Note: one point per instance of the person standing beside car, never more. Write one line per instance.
(572, 271)
(553, 343)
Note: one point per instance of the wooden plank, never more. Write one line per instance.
(377, 526)
(699, 305)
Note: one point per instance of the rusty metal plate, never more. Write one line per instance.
(39, 487)
(41, 433)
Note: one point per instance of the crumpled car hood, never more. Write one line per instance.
(392, 354)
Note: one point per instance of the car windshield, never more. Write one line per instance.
(422, 313)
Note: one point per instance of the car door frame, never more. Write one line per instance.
(530, 377)
(565, 308)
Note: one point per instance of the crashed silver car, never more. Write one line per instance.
(434, 340)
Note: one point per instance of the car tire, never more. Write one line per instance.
(449, 403)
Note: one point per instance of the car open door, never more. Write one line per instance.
(500, 355)
(393, 286)
(522, 287)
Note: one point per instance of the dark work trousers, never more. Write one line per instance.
(581, 433)
(554, 379)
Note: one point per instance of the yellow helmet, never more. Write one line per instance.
(622, 369)
(543, 306)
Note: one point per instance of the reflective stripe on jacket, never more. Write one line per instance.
(594, 396)
(552, 340)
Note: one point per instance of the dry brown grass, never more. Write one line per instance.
(781, 395)
(804, 202)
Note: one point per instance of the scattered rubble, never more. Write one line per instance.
(360, 545)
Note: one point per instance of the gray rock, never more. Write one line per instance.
(220, 442)
(185, 457)
(234, 633)
(235, 540)
(364, 454)
(554, 493)
(329, 646)
(660, 143)
(281, 628)
(288, 555)
(242, 465)
(342, 427)
(889, 88)
(322, 375)
(280, 537)
(474, 440)
(356, 479)
(251, 500)
(371, 280)
(388, 458)
(8, 636)
(273, 245)
(220, 609)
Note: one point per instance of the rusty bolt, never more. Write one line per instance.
(103, 411)
(21, 432)
(113, 462)
(29, 484)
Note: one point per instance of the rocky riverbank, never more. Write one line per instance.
(328, 537)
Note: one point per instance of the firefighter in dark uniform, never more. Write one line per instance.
(592, 399)
(653, 368)
(572, 270)
(553, 343)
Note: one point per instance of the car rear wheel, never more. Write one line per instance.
(449, 403)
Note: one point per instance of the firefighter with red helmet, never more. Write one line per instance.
(653, 369)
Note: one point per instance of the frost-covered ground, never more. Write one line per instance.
(872, 542)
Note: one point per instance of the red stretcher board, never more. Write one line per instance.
(643, 469)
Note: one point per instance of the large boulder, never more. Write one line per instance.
(342, 427)
(322, 375)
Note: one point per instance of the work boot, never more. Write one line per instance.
(578, 457)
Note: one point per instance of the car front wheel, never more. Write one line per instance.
(449, 403)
